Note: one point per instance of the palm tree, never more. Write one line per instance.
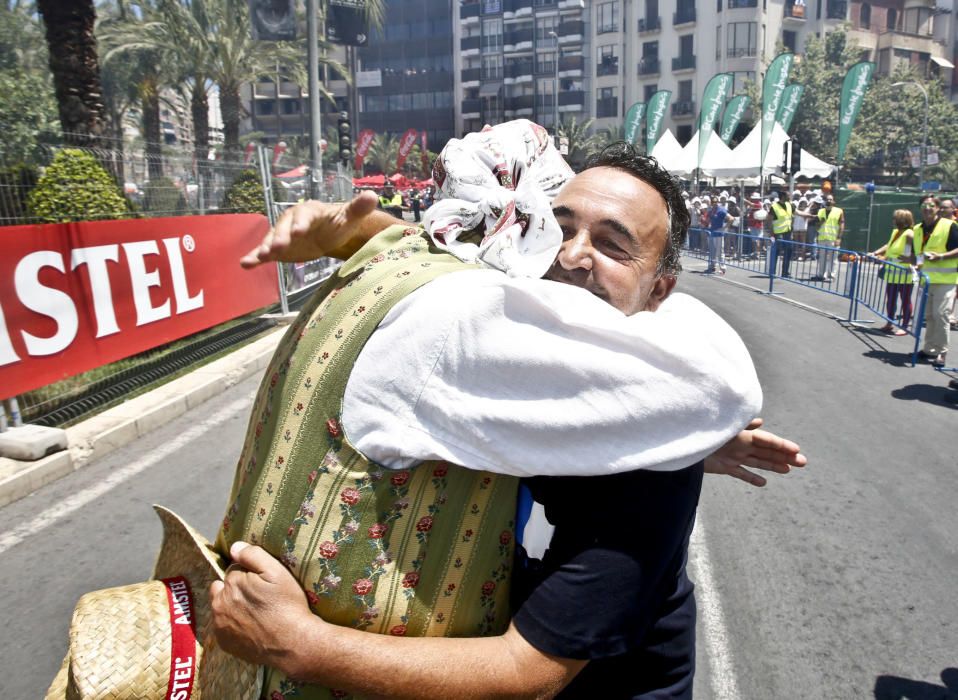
(582, 144)
(382, 154)
(75, 67)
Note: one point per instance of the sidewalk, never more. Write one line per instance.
(132, 419)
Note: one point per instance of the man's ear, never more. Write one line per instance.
(661, 289)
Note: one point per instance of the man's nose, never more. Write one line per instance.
(576, 252)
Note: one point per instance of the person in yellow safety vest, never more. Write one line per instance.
(948, 212)
(898, 283)
(936, 251)
(831, 228)
(782, 214)
(391, 201)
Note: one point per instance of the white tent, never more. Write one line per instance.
(716, 155)
(744, 159)
(667, 151)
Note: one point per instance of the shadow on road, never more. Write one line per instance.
(895, 688)
(935, 394)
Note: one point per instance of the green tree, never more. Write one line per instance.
(75, 187)
(75, 66)
(382, 155)
(582, 143)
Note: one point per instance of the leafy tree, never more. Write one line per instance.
(75, 187)
(245, 195)
(28, 108)
(75, 66)
(382, 155)
(161, 197)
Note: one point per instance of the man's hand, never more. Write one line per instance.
(260, 613)
(311, 230)
(758, 449)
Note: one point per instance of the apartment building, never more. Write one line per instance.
(512, 53)
(617, 52)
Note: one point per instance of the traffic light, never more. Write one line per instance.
(791, 157)
(273, 20)
(345, 139)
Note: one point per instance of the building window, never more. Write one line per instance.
(545, 62)
(491, 35)
(491, 7)
(735, 4)
(741, 39)
(836, 9)
(685, 91)
(686, 44)
(718, 42)
(648, 91)
(264, 107)
(789, 39)
(884, 61)
(544, 25)
(492, 67)
(607, 103)
(891, 19)
(865, 16)
(607, 60)
(291, 106)
(607, 17)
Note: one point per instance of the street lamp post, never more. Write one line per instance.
(555, 90)
(924, 138)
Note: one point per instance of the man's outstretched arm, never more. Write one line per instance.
(312, 230)
(260, 614)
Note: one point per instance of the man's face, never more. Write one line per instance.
(829, 201)
(929, 211)
(948, 209)
(614, 230)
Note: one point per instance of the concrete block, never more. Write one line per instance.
(29, 443)
(204, 389)
(160, 414)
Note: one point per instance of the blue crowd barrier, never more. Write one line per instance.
(861, 279)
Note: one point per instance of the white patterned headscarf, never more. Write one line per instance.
(500, 182)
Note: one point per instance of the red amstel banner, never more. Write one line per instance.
(406, 143)
(363, 142)
(77, 296)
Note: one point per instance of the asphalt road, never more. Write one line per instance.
(836, 582)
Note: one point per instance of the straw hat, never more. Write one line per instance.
(152, 639)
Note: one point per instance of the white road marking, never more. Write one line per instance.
(51, 515)
(717, 651)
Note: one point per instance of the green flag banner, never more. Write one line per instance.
(633, 122)
(658, 103)
(716, 91)
(733, 115)
(776, 79)
(790, 100)
(853, 94)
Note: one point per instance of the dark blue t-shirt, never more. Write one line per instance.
(717, 219)
(612, 587)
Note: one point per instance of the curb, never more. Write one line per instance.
(121, 425)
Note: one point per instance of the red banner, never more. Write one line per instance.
(363, 142)
(424, 156)
(77, 296)
(406, 143)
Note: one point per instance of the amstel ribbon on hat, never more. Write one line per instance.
(183, 634)
(499, 183)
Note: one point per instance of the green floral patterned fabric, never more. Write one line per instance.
(419, 552)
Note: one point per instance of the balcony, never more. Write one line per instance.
(518, 72)
(794, 13)
(520, 106)
(544, 101)
(469, 46)
(650, 24)
(606, 107)
(607, 66)
(571, 32)
(907, 41)
(469, 12)
(571, 66)
(649, 66)
(471, 109)
(747, 52)
(516, 9)
(470, 77)
(683, 108)
(686, 15)
(572, 101)
(519, 40)
(683, 63)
